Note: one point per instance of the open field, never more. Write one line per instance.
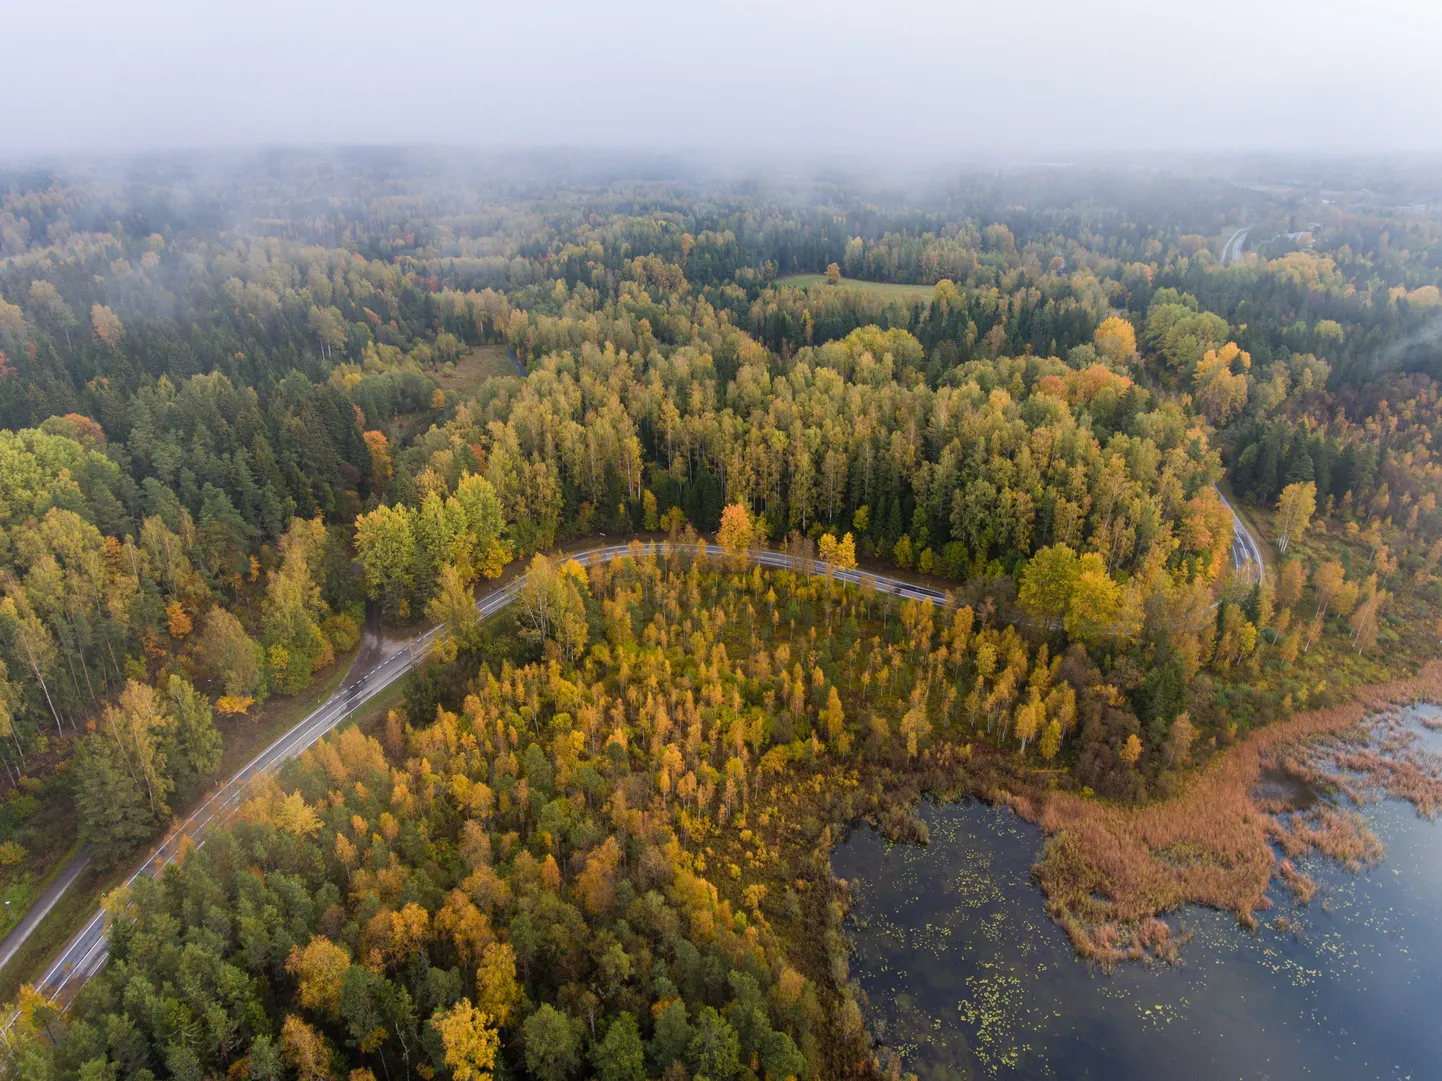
(888, 290)
(481, 363)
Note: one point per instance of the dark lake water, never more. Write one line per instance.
(967, 977)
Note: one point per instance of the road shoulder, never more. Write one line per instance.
(18, 935)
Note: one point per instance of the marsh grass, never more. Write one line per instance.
(1341, 836)
(1302, 886)
(1110, 872)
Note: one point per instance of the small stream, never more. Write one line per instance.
(967, 977)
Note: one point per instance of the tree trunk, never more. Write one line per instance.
(36, 669)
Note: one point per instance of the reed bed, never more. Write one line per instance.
(1110, 872)
(1301, 885)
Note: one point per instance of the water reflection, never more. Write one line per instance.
(968, 978)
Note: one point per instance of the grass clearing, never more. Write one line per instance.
(887, 290)
(481, 363)
(47, 833)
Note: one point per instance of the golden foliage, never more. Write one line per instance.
(320, 968)
(470, 1040)
(296, 817)
(306, 1050)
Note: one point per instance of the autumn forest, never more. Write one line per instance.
(259, 421)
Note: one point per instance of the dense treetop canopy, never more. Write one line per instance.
(239, 406)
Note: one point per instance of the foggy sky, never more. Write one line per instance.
(914, 78)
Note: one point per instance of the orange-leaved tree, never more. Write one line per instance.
(736, 531)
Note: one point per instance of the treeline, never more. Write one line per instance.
(112, 547)
(1368, 450)
(601, 864)
(1006, 457)
(98, 603)
(213, 408)
(599, 854)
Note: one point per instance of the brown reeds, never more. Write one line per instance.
(1110, 871)
(1396, 765)
(1342, 836)
(1302, 886)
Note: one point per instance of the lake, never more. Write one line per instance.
(967, 977)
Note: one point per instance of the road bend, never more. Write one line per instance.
(1246, 553)
(1232, 249)
(86, 953)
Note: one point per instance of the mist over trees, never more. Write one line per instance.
(240, 402)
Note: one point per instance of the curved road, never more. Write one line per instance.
(1245, 549)
(86, 953)
(1233, 247)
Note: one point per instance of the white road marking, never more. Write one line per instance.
(78, 953)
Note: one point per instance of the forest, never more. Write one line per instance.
(241, 422)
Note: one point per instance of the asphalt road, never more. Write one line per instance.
(86, 953)
(17, 935)
(1245, 549)
(1233, 247)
